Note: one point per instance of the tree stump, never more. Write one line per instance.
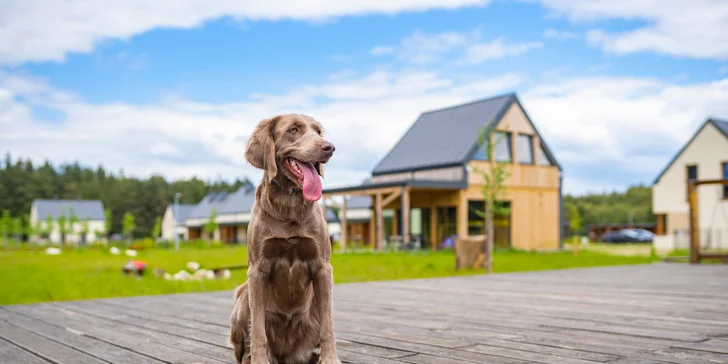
(470, 252)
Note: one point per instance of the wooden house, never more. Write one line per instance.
(430, 185)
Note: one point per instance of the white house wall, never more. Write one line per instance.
(708, 151)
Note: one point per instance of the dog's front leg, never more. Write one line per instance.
(323, 285)
(257, 279)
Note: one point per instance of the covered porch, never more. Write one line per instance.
(413, 214)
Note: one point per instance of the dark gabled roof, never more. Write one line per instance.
(184, 211)
(358, 202)
(721, 125)
(241, 201)
(448, 136)
(453, 185)
(91, 209)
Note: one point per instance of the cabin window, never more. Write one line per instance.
(503, 149)
(525, 149)
(543, 159)
(725, 176)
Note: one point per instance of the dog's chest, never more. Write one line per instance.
(291, 263)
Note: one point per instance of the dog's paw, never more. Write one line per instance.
(330, 360)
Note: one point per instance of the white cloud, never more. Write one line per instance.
(39, 30)
(697, 29)
(481, 52)
(382, 50)
(560, 34)
(180, 138)
(624, 128)
(466, 47)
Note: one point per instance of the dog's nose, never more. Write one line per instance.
(328, 147)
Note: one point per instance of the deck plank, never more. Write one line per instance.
(658, 313)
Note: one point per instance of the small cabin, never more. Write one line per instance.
(427, 187)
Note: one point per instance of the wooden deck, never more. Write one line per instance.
(672, 313)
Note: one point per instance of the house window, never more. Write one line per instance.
(692, 175)
(543, 159)
(525, 149)
(725, 176)
(503, 149)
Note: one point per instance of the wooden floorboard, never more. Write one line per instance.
(658, 313)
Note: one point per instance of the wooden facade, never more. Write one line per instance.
(445, 197)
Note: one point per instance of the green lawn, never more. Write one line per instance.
(33, 276)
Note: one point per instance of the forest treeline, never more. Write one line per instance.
(21, 182)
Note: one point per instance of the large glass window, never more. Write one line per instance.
(503, 149)
(525, 149)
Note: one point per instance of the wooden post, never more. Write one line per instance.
(575, 244)
(380, 222)
(694, 234)
(462, 214)
(372, 229)
(433, 227)
(344, 226)
(405, 216)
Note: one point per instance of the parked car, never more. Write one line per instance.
(627, 236)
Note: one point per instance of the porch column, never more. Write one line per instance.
(372, 229)
(462, 214)
(380, 222)
(344, 227)
(433, 227)
(405, 215)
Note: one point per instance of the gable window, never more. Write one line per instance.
(543, 159)
(503, 148)
(525, 149)
(725, 176)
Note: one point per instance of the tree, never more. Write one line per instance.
(575, 226)
(6, 225)
(63, 226)
(38, 229)
(48, 230)
(107, 221)
(84, 229)
(211, 224)
(18, 229)
(157, 230)
(494, 176)
(128, 226)
(72, 221)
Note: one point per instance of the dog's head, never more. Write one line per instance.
(292, 145)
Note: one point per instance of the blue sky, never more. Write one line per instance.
(174, 88)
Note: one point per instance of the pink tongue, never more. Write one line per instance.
(311, 181)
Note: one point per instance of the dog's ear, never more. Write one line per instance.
(261, 149)
(319, 168)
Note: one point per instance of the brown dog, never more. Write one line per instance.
(283, 312)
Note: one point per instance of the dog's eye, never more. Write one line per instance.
(293, 129)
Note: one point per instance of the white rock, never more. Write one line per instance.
(193, 266)
(167, 276)
(130, 253)
(114, 250)
(181, 276)
(53, 251)
(210, 274)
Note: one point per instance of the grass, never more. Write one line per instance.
(32, 276)
(630, 249)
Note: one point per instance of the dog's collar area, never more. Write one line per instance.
(290, 190)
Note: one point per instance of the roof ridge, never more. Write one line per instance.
(469, 103)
